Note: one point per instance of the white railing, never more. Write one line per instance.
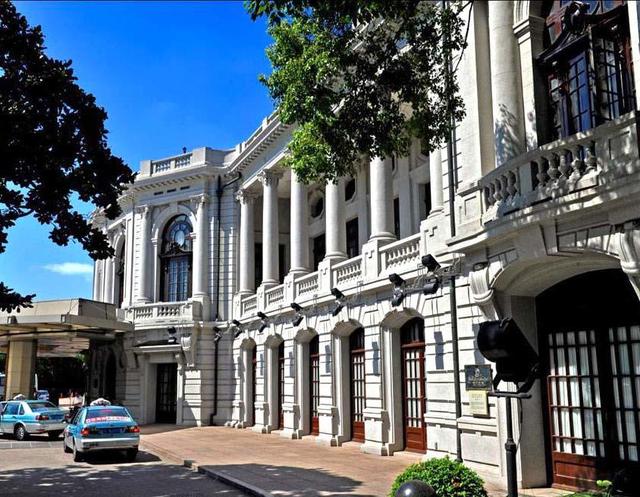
(249, 304)
(561, 167)
(177, 162)
(275, 295)
(164, 311)
(348, 271)
(307, 285)
(403, 253)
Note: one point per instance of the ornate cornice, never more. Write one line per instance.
(269, 177)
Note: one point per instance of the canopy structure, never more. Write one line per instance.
(54, 328)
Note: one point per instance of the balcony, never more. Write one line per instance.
(368, 271)
(563, 172)
(163, 312)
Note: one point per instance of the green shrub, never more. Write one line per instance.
(448, 478)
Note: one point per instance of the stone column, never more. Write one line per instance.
(435, 181)
(21, 366)
(145, 225)
(200, 248)
(381, 200)
(247, 242)
(506, 83)
(335, 228)
(299, 226)
(270, 230)
(97, 280)
(107, 294)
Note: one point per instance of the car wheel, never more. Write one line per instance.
(77, 455)
(19, 433)
(132, 454)
(53, 435)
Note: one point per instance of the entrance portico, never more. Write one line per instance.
(56, 328)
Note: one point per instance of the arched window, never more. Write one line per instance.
(175, 258)
(587, 64)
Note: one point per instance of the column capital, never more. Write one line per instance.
(269, 177)
(198, 200)
(143, 210)
(245, 196)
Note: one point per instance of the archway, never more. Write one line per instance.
(589, 343)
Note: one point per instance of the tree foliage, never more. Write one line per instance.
(53, 146)
(361, 78)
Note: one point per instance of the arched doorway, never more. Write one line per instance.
(314, 384)
(589, 329)
(280, 395)
(357, 381)
(413, 385)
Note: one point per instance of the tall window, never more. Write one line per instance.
(353, 241)
(176, 260)
(120, 275)
(587, 64)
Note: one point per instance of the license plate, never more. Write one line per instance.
(112, 430)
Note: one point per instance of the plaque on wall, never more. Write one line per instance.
(478, 377)
(478, 402)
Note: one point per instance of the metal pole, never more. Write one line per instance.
(511, 448)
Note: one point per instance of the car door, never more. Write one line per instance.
(9, 416)
(72, 429)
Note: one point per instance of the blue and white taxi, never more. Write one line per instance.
(101, 426)
(22, 418)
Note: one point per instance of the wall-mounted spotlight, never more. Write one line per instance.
(340, 301)
(217, 336)
(431, 286)
(398, 289)
(236, 323)
(264, 321)
(172, 334)
(299, 316)
(430, 263)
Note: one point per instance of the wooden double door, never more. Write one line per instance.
(314, 384)
(413, 385)
(591, 352)
(357, 377)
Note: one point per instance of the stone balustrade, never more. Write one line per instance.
(307, 285)
(164, 311)
(562, 167)
(348, 272)
(170, 164)
(404, 253)
(274, 296)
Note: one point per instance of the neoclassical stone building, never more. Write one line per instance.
(310, 310)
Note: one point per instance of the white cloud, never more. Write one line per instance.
(72, 269)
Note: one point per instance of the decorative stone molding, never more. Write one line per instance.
(482, 292)
(269, 177)
(188, 343)
(245, 196)
(629, 253)
(143, 210)
(198, 200)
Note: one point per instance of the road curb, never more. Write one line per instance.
(211, 473)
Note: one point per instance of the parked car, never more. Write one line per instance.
(28, 417)
(101, 427)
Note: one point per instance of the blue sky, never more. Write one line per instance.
(169, 74)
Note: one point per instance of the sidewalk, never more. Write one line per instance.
(270, 464)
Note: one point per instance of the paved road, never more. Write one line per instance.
(43, 469)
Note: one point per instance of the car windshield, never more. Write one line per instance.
(41, 406)
(107, 414)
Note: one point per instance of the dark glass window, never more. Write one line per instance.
(427, 198)
(587, 64)
(282, 262)
(258, 264)
(350, 189)
(353, 240)
(319, 250)
(396, 217)
(120, 275)
(317, 206)
(176, 256)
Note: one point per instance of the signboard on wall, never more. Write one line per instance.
(478, 377)
(478, 402)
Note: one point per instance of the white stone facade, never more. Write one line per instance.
(519, 229)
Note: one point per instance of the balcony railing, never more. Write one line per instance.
(275, 295)
(307, 285)
(562, 167)
(164, 165)
(347, 272)
(401, 254)
(164, 311)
